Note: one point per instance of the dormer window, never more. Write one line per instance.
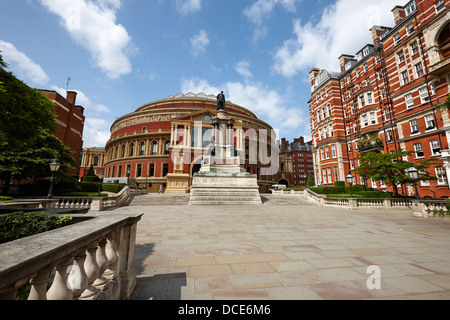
(439, 5)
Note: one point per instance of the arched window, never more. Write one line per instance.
(166, 150)
(131, 149)
(95, 161)
(122, 153)
(155, 148)
(142, 149)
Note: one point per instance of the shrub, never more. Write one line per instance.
(375, 194)
(3, 198)
(113, 187)
(18, 225)
(344, 195)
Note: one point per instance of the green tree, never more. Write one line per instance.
(310, 181)
(27, 124)
(391, 168)
(447, 103)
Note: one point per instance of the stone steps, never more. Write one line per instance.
(225, 196)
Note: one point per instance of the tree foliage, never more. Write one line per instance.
(27, 125)
(391, 168)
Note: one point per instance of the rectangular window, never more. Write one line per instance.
(441, 175)
(369, 98)
(423, 92)
(400, 57)
(373, 119)
(333, 151)
(365, 121)
(336, 174)
(409, 101)
(405, 77)
(410, 29)
(439, 5)
(419, 150)
(419, 69)
(139, 170)
(165, 169)
(362, 102)
(390, 137)
(429, 120)
(414, 126)
(151, 172)
(324, 176)
(414, 48)
(329, 175)
(435, 148)
(397, 38)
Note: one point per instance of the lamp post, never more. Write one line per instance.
(413, 174)
(128, 175)
(54, 167)
(350, 181)
(100, 180)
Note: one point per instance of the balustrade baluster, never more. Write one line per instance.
(59, 289)
(111, 253)
(92, 271)
(102, 261)
(39, 285)
(78, 279)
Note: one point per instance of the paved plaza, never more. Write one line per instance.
(287, 248)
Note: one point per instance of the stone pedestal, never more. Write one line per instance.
(222, 180)
(177, 182)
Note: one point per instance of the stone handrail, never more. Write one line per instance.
(88, 260)
(91, 203)
(422, 207)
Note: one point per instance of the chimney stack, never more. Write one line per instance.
(71, 97)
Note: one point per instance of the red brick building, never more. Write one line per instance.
(388, 96)
(163, 142)
(302, 159)
(70, 120)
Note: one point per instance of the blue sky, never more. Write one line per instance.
(121, 54)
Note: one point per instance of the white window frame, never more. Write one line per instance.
(405, 77)
(435, 147)
(373, 117)
(439, 5)
(441, 175)
(414, 48)
(400, 57)
(429, 121)
(424, 97)
(418, 69)
(409, 101)
(414, 126)
(418, 149)
(410, 29)
(397, 38)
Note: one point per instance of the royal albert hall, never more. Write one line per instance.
(162, 143)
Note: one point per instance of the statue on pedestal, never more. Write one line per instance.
(221, 101)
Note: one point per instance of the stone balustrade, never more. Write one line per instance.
(421, 208)
(88, 260)
(89, 203)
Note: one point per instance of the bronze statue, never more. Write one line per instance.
(221, 101)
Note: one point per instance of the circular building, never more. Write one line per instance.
(161, 144)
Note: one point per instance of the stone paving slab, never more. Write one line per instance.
(290, 252)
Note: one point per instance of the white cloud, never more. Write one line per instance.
(93, 26)
(199, 42)
(343, 28)
(23, 66)
(267, 104)
(186, 7)
(243, 68)
(96, 132)
(261, 9)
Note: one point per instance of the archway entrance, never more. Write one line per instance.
(195, 167)
(284, 181)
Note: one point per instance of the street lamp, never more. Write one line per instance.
(350, 181)
(413, 174)
(100, 180)
(54, 167)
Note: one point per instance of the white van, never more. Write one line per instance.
(278, 186)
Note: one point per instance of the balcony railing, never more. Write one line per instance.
(88, 260)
